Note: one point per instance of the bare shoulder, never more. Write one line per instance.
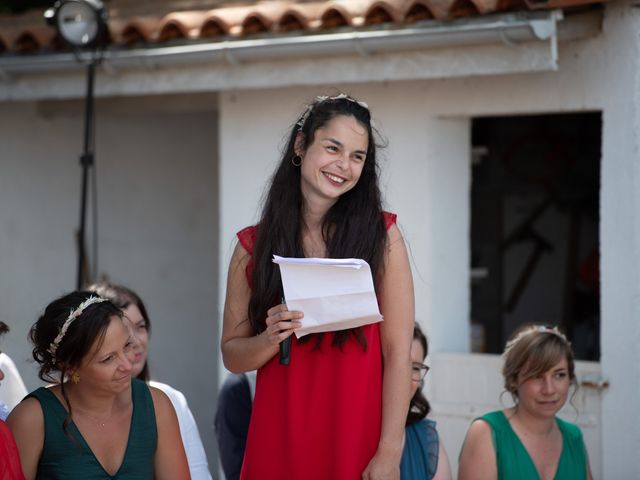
(479, 430)
(240, 256)
(394, 234)
(161, 400)
(27, 415)
(477, 458)
(27, 426)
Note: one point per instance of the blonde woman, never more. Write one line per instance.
(528, 441)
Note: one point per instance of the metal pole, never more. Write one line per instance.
(86, 161)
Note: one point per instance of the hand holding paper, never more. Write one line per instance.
(334, 294)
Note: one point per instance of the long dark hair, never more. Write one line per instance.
(419, 406)
(352, 228)
(90, 327)
(123, 297)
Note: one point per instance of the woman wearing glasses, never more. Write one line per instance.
(424, 456)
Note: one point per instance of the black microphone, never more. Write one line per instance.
(285, 351)
(285, 348)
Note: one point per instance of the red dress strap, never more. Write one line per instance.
(389, 219)
(247, 238)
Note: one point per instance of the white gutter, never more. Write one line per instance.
(487, 29)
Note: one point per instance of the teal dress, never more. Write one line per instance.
(420, 454)
(68, 457)
(513, 460)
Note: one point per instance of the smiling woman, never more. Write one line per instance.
(528, 441)
(94, 422)
(337, 409)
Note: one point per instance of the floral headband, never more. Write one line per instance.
(533, 329)
(323, 98)
(72, 316)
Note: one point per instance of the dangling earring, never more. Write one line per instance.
(299, 162)
(75, 377)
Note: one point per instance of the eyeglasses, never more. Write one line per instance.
(418, 371)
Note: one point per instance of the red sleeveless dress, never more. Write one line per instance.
(319, 417)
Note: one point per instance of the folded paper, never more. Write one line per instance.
(334, 294)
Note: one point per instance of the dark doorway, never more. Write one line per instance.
(535, 228)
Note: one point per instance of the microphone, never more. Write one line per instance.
(285, 351)
(285, 348)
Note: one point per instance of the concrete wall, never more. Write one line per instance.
(620, 243)
(157, 203)
(426, 181)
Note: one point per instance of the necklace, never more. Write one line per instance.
(98, 422)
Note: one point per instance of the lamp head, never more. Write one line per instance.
(80, 23)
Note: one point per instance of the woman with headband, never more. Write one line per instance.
(95, 422)
(528, 441)
(337, 411)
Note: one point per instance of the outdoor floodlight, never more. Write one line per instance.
(83, 25)
(80, 23)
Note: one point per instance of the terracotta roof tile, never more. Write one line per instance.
(417, 12)
(135, 31)
(27, 33)
(180, 25)
(301, 17)
(383, 12)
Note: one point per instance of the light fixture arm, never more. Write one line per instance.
(83, 25)
(86, 162)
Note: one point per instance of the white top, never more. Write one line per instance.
(196, 457)
(12, 389)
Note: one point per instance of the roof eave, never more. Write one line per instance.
(487, 29)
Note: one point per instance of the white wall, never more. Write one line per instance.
(157, 185)
(620, 244)
(426, 123)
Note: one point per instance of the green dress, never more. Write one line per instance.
(513, 460)
(69, 457)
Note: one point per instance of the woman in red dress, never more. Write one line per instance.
(10, 467)
(337, 411)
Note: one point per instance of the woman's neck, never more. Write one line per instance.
(313, 215)
(88, 400)
(533, 425)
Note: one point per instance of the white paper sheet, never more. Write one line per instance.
(334, 294)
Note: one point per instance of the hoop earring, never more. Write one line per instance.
(75, 378)
(293, 161)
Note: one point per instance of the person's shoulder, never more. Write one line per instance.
(247, 237)
(5, 360)
(43, 394)
(176, 396)
(389, 219)
(28, 413)
(161, 401)
(168, 389)
(482, 426)
(569, 429)
(496, 419)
